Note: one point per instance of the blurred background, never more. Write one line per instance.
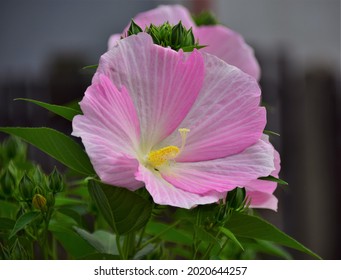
(45, 43)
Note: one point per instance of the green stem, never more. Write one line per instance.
(129, 245)
(141, 236)
(195, 243)
(223, 247)
(210, 247)
(119, 248)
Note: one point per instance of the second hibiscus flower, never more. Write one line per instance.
(219, 40)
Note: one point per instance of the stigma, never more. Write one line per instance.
(157, 158)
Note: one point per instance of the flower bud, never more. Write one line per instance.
(26, 187)
(236, 198)
(14, 149)
(56, 182)
(39, 202)
(178, 34)
(7, 183)
(177, 37)
(205, 18)
(39, 178)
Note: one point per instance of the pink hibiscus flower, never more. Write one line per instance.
(187, 126)
(219, 40)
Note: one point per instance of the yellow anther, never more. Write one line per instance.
(159, 157)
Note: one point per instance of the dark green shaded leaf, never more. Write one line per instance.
(55, 144)
(125, 211)
(254, 227)
(71, 213)
(23, 221)
(169, 234)
(93, 241)
(8, 209)
(6, 224)
(100, 256)
(205, 236)
(65, 112)
(75, 245)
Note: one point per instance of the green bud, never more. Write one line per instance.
(7, 183)
(177, 37)
(56, 182)
(205, 18)
(26, 187)
(39, 202)
(178, 34)
(134, 28)
(236, 198)
(14, 149)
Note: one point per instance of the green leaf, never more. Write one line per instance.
(125, 211)
(71, 213)
(145, 251)
(62, 201)
(93, 241)
(134, 28)
(254, 227)
(55, 144)
(269, 132)
(271, 249)
(23, 221)
(75, 245)
(205, 236)
(169, 234)
(231, 236)
(100, 256)
(74, 105)
(273, 179)
(104, 242)
(94, 66)
(8, 209)
(6, 224)
(65, 112)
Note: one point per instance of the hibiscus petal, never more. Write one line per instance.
(222, 174)
(166, 194)
(110, 132)
(163, 83)
(113, 39)
(228, 46)
(262, 185)
(262, 200)
(226, 117)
